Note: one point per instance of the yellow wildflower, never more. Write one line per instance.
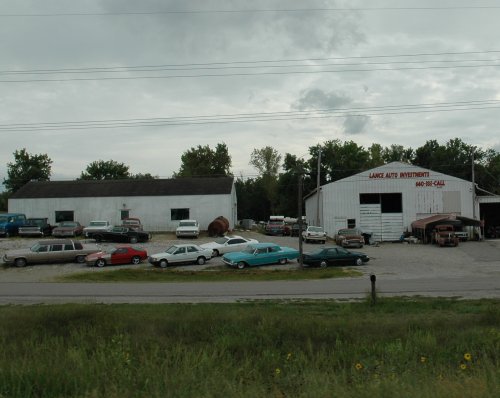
(289, 356)
(277, 371)
(463, 366)
(423, 359)
(358, 366)
(467, 356)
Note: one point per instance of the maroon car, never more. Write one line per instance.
(118, 255)
(67, 229)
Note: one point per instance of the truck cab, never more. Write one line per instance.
(444, 235)
(10, 223)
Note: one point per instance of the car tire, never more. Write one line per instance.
(97, 238)
(20, 262)
(215, 253)
(200, 260)
(80, 259)
(282, 261)
(323, 264)
(163, 263)
(241, 265)
(358, 261)
(133, 239)
(136, 260)
(100, 263)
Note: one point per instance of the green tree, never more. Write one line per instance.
(105, 170)
(27, 167)
(252, 201)
(202, 161)
(267, 161)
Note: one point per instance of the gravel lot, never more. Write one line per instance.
(394, 260)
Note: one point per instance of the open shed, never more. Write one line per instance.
(422, 228)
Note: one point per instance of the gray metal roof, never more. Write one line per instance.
(125, 187)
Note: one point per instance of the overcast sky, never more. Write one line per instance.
(362, 63)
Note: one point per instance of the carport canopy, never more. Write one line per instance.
(430, 222)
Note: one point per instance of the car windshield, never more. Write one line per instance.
(67, 224)
(35, 247)
(97, 224)
(35, 222)
(187, 224)
(221, 240)
(249, 250)
(171, 249)
(348, 232)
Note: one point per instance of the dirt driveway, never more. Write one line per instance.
(394, 260)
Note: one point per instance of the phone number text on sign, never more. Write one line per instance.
(431, 183)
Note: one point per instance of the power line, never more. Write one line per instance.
(240, 74)
(228, 64)
(244, 11)
(255, 117)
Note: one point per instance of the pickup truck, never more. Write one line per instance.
(36, 226)
(444, 235)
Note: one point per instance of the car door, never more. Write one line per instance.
(56, 252)
(68, 253)
(41, 255)
(192, 253)
(332, 257)
(262, 256)
(234, 245)
(344, 256)
(120, 256)
(179, 255)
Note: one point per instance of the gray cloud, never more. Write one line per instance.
(318, 99)
(355, 124)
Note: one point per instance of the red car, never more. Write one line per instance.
(117, 255)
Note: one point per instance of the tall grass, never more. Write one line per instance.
(422, 348)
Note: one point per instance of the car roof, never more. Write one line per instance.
(262, 245)
(184, 244)
(55, 241)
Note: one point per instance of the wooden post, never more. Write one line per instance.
(373, 279)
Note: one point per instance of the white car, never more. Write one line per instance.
(188, 229)
(228, 244)
(181, 253)
(96, 226)
(312, 233)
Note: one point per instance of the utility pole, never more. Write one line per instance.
(473, 189)
(299, 218)
(318, 221)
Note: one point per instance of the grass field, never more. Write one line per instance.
(398, 348)
(221, 273)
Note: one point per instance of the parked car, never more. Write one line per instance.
(121, 234)
(132, 223)
(314, 234)
(35, 227)
(96, 226)
(227, 244)
(275, 226)
(117, 255)
(50, 251)
(188, 229)
(181, 253)
(333, 256)
(68, 229)
(349, 237)
(260, 254)
(10, 223)
(444, 235)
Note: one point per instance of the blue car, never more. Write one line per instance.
(260, 254)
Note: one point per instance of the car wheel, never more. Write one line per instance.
(200, 261)
(97, 238)
(241, 265)
(163, 263)
(136, 260)
(133, 239)
(80, 259)
(20, 262)
(100, 263)
(359, 261)
(215, 253)
(323, 264)
(282, 261)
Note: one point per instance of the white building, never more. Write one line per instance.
(386, 200)
(159, 203)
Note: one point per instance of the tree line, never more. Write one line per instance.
(275, 188)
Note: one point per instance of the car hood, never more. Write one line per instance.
(17, 252)
(95, 256)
